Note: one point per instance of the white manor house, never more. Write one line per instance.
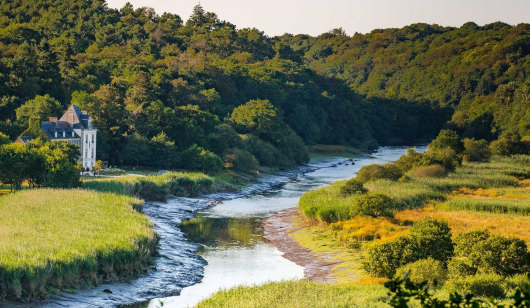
(75, 126)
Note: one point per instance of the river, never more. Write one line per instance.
(206, 247)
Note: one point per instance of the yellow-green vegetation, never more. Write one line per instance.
(434, 218)
(59, 239)
(325, 244)
(159, 187)
(300, 293)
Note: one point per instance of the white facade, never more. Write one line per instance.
(88, 147)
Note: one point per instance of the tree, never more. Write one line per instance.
(4, 139)
(42, 106)
(98, 166)
(447, 139)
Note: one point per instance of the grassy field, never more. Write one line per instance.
(61, 239)
(159, 187)
(302, 293)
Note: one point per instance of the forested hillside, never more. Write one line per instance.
(166, 93)
(481, 72)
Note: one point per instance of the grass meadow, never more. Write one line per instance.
(61, 239)
(302, 293)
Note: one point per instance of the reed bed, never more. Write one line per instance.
(158, 187)
(491, 205)
(61, 239)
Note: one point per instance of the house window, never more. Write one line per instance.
(55, 134)
(72, 134)
(92, 138)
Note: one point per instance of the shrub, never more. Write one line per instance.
(490, 254)
(383, 259)
(445, 157)
(373, 204)
(198, 158)
(433, 238)
(424, 270)
(519, 281)
(376, 172)
(432, 171)
(501, 255)
(447, 139)
(464, 242)
(409, 160)
(353, 187)
(507, 145)
(460, 267)
(479, 285)
(476, 150)
(241, 160)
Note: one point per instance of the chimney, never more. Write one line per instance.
(53, 119)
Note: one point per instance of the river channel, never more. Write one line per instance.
(216, 241)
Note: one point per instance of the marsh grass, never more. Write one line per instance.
(67, 239)
(492, 205)
(159, 187)
(301, 293)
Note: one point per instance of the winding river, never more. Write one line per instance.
(216, 241)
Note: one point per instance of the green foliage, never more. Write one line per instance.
(476, 150)
(353, 187)
(408, 161)
(428, 238)
(433, 237)
(4, 139)
(373, 204)
(488, 285)
(403, 293)
(375, 172)
(424, 270)
(447, 139)
(197, 158)
(478, 251)
(241, 160)
(432, 171)
(41, 106)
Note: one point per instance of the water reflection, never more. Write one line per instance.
(223, 231)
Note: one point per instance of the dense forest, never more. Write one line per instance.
(205, 95)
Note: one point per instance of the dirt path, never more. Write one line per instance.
(276, 231)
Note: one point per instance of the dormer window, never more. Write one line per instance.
(72, 134)
(64, 134)
(55, 134)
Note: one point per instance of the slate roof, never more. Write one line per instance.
(24, 139)
(72, 119)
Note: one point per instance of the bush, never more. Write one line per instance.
(445, 157)
(376, 172)
(241, 160)
(507, 145)
(460, 267)
(447, 139)
(476, 150)
(353, 187)
(464, 242)
(489, 285)
(373, 204)
(198, 158)
(383, 259)
(432, 171)
(519, 281)
(487, 253)
(433, 237)
(501, 255)
(424, 270)
(409, 160)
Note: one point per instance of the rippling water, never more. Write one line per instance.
(204, 248)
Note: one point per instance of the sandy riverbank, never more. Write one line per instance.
(277, 229)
